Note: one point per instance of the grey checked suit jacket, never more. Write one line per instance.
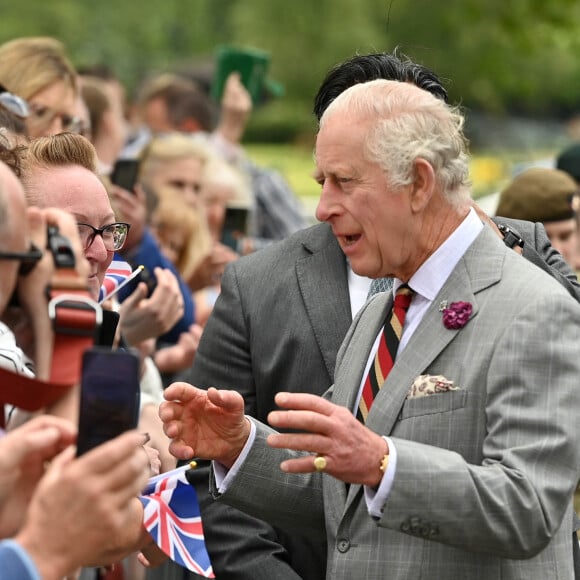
(484, 474)
(278, 324)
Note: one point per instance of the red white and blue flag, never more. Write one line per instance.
(116, 273)
(173, 518)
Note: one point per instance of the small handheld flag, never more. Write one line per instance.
(118, 274)
(173, 518)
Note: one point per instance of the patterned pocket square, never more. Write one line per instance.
(425, 385)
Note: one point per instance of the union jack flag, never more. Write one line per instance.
(116, 273)
(173, 518)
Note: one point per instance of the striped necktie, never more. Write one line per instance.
(387, 351)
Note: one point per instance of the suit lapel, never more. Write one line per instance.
(324, 287)
(479, 268)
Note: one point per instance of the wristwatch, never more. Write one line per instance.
(510, 238)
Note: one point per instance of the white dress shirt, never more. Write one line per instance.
(427, 283)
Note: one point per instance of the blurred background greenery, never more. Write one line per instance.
(513, 65)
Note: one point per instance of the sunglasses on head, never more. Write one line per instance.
(13, 103)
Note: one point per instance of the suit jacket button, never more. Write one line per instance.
(416, 526)
(343, 545)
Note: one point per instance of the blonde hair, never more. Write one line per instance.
(59, 150)
(173, 214)
(29, 65)
(220, 173)
(170, 148)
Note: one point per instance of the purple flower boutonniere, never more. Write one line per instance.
(455, 315)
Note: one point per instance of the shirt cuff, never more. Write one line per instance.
(223, 475)
(376, 499)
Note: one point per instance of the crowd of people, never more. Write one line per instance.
(388, 393)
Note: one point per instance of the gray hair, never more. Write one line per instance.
(410, 124)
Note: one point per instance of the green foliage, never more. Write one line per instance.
(500, 56)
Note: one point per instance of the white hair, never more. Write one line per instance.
(409, 123)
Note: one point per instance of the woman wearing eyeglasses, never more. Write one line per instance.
(38, 70)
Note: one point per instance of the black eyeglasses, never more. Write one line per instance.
(13, 103)
(28, 260)
(114, 235)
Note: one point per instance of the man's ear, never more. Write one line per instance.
(423, 185)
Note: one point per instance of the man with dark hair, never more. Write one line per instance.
(254, 345)
(368, 67)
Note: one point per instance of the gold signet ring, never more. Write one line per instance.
(320, 463)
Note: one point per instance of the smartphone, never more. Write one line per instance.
(235, 226)
(125, 173)
(110, 394)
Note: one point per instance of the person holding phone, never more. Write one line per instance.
(56, 520)
(30, 501)
(25, 272)
(69, 180)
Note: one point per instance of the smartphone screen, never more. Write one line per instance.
(125, 173)
(235, 226)
(110, 394)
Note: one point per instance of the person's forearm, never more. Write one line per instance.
(67, 406)
(43, 345)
